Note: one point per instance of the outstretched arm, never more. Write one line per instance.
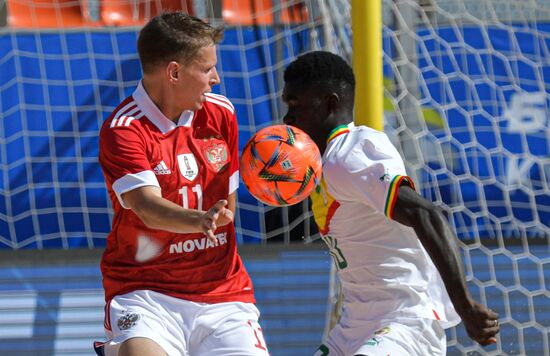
(159, 213)
(438, 239)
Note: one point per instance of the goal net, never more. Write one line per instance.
(466, 102)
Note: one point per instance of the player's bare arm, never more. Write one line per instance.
(159, 213)
(225, 219)
(438, 239)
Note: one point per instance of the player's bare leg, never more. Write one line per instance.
(141, 346)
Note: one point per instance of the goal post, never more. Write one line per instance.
(366, 22)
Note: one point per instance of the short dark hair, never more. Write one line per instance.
(322, 68)
(174, 36)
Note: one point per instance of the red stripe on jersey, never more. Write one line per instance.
(126, 109)
(221, 97)
(393, 191)
(221, 101)
(436, 315)
(107, 319)
(331, 210)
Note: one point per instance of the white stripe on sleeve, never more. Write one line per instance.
(132, 181)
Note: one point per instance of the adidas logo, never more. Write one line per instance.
(161, 169)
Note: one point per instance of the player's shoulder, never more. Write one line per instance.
(125, 116)
(360, 148)
(365, 133)
(358, 136)
(371, 140)
(219, 102)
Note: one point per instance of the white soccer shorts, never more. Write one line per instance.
(184, 328)
(418, 337)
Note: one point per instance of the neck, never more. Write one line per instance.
(338, 119)
(161, 97)
(331, 130)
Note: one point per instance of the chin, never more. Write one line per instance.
(200, 102)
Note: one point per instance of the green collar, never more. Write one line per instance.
(337, 131)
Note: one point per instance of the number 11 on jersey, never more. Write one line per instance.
(197, 190)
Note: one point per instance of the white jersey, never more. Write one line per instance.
(385, 272)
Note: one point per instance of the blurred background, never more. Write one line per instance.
(465, 99)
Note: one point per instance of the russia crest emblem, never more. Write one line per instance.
(128, 320)
(216, 155)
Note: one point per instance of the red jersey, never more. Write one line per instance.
(195, 164)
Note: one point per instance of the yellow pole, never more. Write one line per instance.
(366, 20)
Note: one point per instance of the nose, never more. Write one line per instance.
(215, 80)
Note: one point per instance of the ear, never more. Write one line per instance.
(333, 102)
(172, 71)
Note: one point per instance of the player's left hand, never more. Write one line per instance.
(218, 214)
(481, 323)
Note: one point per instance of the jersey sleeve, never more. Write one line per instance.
(225, 119)
(233, 144)
(371, 173)
(123, 160)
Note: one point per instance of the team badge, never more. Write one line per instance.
(127, 321)
(188, 166)
(373, 342)
(216, 155)
(377, 339)
(386, 177)
(385, 330)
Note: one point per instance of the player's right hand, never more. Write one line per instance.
(217, 212)
(481, 323)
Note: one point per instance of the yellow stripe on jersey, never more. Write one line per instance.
(392, 193)
(324, 206)
(337, 131)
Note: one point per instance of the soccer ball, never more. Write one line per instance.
(280, 165)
